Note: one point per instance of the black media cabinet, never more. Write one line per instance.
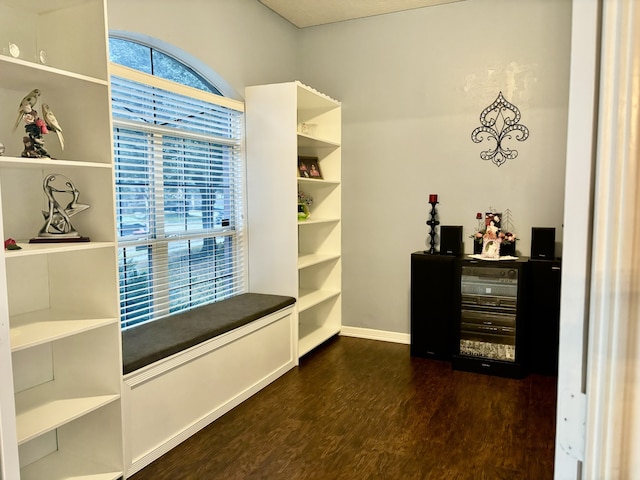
(494, 317)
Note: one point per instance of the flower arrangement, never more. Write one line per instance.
(489, 235)
(507, 237)
(304, 198)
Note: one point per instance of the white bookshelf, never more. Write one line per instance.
(287, 256)
(60, 353)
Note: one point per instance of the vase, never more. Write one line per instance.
(477, 247)
(508, 249)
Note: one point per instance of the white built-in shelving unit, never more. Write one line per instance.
(60, 353)
(299, 258)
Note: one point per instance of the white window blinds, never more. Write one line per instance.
(179, 196)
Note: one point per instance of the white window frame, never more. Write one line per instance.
(160, 296)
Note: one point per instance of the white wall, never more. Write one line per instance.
(413, 85)
(243, 41)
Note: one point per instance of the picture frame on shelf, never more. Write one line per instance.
(493, 219)
(309, 167)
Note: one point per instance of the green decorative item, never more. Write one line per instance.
(10, 244)
(304, 202)
(303, 211)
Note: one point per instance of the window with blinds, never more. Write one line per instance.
(179, 196)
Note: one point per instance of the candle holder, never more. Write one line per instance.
(433, 223)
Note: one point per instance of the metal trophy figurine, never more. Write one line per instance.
(58, 227)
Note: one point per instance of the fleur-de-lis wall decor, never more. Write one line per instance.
(499, 122)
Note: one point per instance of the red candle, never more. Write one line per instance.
(433, 198)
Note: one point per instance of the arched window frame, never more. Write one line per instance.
(162, 130)
(191, 61)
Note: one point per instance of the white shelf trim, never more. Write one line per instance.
(10, 62)
(308, 260)
(42, 409)
(312, 141)
(312, 337)
(47, 248)
(311, 298)
(61, 466)
(316, 92)
(315, 220)
(21, 162)
(36, 328)
(318, 182)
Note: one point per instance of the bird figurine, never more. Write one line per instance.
(52, 123)
(26, 105)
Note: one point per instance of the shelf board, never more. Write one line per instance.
(313, 181)
(43, 408)
(315, 220)
(308, 98)
(311, 298)
(312, 336)
(35, 328)
(48, 248)
(66, 466)
(305, 140)
(311, 259)
(16, 73)
(38, 7)
(38, 163)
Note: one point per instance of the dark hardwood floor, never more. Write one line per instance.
(363, 409)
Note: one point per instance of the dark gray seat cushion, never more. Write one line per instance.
(150, 342)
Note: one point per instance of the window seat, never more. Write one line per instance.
(185, 371)
(147, 343)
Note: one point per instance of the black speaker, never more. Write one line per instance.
(543, 329)
(543, 243)
(451, 240)
(435, 304)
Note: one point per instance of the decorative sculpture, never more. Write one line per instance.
(58, 227)
(35, 127)
(498, 121)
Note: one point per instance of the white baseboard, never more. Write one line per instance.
(371, 334)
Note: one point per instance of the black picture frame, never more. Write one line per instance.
(309, 167)
(492, 217)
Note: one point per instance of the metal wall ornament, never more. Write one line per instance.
(58, 227)
(500, 122)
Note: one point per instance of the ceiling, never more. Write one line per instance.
(307, 13)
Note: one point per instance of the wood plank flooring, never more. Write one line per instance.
(363, 409)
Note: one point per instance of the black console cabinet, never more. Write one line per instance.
(435, 293)
(447, 325)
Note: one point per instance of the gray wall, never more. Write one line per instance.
(412, 85)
